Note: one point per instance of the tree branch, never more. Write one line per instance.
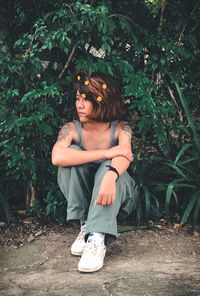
(163, 5)
(112, 15)
(69, 7)
(29, 49)
(183, 30)
(68, 62)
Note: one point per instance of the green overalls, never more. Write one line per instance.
(80, 186)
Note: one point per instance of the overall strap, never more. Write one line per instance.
(78, 126)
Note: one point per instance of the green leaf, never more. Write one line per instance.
(147, 202)
(188, 115)
(196, 213)
(45, 128)
(170, 189)
(193, 200)
(3, 143)
(178, 170)
(183, 149)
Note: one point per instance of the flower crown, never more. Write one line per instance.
(86, 82)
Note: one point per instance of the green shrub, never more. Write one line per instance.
(150, 47)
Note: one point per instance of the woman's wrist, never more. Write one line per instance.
(111, 175)
(113, 170)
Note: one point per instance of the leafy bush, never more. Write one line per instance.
(150, 47)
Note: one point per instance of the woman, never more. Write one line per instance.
(93, 153)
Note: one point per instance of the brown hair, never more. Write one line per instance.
(104, 94)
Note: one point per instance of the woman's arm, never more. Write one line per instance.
(108, 186)
(63, 156)
(124, 138)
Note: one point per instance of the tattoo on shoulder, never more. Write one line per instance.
(64, 132)
(127, 129)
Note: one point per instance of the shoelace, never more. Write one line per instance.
(81, 235)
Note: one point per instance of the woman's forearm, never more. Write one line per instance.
(64, 157)
(121, 164)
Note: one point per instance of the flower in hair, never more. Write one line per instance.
(99, 99)
(83, 96)
(104, 86)
(86, 82)
(78, 77)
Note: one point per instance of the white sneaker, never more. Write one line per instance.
(79, 244)
(92, 257)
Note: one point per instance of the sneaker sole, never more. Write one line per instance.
(76, 253)
(90, 270)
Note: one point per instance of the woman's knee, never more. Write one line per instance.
(63, 174)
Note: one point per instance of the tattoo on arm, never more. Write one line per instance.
(64, 133)
(127, 129)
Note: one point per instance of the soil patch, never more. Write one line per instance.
(152, 262)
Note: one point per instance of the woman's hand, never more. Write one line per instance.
(107, 189)
(119, 151)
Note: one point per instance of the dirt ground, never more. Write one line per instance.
(152, 262)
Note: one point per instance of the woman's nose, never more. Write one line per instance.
(81, 103)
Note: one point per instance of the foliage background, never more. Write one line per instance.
(150, 47)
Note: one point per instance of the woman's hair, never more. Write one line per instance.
(103, 93)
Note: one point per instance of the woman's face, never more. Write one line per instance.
(84, 107)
